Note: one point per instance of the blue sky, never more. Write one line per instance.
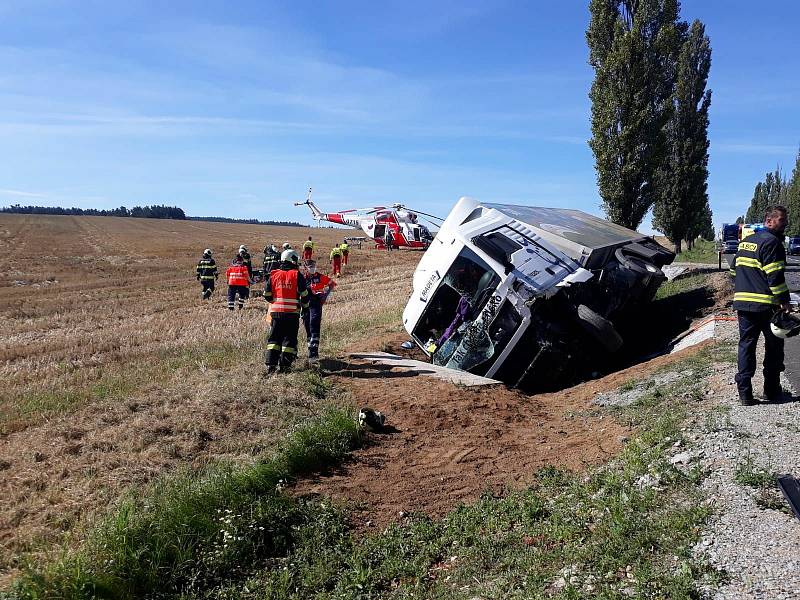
(234, 109)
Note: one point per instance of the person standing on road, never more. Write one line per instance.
(760, 291)
(287, 293)
(320, 287)
(207, 273)
(238, 282)
(336, 261)
(308, 249)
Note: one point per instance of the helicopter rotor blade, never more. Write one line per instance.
(419, 212)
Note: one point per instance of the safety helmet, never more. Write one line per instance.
(286, 246)
(290, 256)
(242, 248)
(207, 252)
(785, 325)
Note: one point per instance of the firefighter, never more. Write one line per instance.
(345, 248)
(246, 261)
(388, 238)
(238, 282)
(320, 287)
(286, 292)
(207, 273)
(308, 249)
(272, 259)
(760, 292)
(336, 261)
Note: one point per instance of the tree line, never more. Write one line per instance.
(247, 221)
(650, 115)
(777, 189)
(142, 212)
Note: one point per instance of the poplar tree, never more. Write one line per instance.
(681, 207)
(633, 48)
(792, 199)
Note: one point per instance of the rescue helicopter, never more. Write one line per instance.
(402, 223)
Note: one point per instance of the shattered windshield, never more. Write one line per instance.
(464, 324)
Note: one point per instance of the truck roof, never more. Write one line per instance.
(575, 232)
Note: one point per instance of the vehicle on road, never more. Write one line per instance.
(793, 246)
(529, 295)
(730, 235)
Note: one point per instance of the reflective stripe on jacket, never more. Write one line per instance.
(207, 268)
(336, 252)
(238, 275)
(286, 290)
(760, 264)
(308, 245)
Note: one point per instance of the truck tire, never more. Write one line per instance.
(637, 264)
(599, 328)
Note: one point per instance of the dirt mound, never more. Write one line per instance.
(449, 444)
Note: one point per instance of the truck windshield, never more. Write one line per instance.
(464, 317)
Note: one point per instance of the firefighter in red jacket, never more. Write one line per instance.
(320, 287)
(286, 292)
(238, 282)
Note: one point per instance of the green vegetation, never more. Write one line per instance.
(681, 286)
(625, 529)
(192, 531)
(749, 474)
(703, 251)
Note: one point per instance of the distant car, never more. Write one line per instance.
(794, 246)
(730, 246)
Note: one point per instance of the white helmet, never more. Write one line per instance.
(242, 248)
(785, 325)
(286, 246)
(207, 252)
(290, 256)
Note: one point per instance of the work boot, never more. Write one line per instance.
(773, 394)
(271, 370)
(747, 399)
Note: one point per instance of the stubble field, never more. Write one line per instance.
(114, 371)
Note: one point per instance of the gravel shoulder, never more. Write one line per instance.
(752, 537)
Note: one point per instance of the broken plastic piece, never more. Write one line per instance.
(791, 491)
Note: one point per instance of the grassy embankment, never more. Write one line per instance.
(702, 252)
(625, 529)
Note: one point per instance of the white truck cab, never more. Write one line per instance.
(523, 294)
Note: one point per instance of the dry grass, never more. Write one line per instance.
(115, 371)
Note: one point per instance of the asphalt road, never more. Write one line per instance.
(792, 360)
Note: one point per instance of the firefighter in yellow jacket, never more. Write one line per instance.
(287, 293)
(760, 292)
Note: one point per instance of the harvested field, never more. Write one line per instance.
(116, 373)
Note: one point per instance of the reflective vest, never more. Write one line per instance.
(308, 245)
(284, 293)
(344, 248)
(238, 275)
(336, 252)
(760, 264)
(207, 269)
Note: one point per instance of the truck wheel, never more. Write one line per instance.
(599, 328)
(637, 265)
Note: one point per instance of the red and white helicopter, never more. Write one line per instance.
(402, 223)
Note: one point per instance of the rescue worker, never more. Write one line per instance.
(760, 291)
(308, 249)
(336, 261)
(345, 248)
(272, 259)
(246, 260)
(320, 287)
(388, 238)
(238, 282)
(286, 292)
(207, 273)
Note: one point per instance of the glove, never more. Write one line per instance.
(431, 347)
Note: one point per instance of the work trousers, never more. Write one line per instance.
(751, 326)
(282, 340)
(208, 288)
(312, 321)
(243, 292)
(345, 256)
(307, 252)
(337, 265)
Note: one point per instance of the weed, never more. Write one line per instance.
(681, 286)
(718, 418)
(749, 474)
(628, 385)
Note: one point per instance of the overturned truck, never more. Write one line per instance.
(529, 295)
